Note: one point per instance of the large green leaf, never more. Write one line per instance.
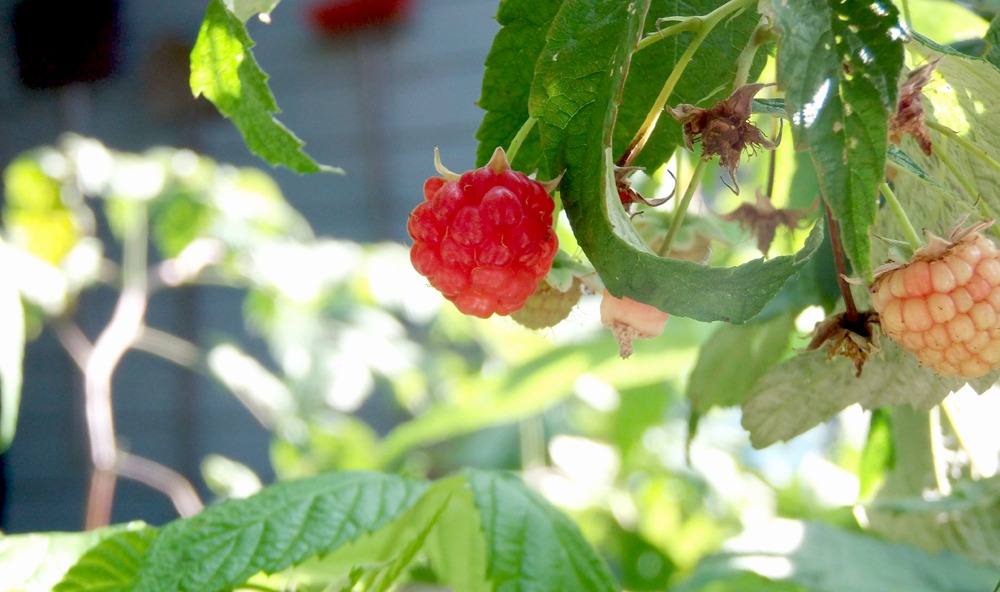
(574, 96)
(36, 562)
(839, 64)
(224, 70)
(822, 558)
(811, 388)
(285, 524)
(529, 544)
(111, 565)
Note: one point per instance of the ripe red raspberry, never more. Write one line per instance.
(484, 238)
(944, 305)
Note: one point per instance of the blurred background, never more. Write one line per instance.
(374, 101)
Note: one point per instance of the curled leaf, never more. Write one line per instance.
(909, 116)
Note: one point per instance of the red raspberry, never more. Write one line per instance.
(484, 238)
(944, 305)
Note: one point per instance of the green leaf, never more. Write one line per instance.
(224, 70)
(510, 67)
(992, 39)
(12, 339)
(821, 558)
(456, 548)
(111, 565)
(286, 523)
(839, 65)
(811, 388)
(36, 562)
(529, 544)
(574, 96)
(733, 358)
(878, 455)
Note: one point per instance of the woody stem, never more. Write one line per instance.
(851, 314)
(702, 26)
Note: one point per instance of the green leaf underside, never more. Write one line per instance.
(529, 544)
(733, 358)
(224, 71)
(574, 97)
(37, 561)
(110, 566)
(822, 558)
(811, 388)
(839, 65)
(283, 525)
(951, 99)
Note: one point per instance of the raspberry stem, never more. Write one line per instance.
(682, 207)
(701, 26)
(519, 138)
(909, 232)
(851, 315)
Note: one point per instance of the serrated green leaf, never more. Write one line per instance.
(733, 358)
(510, 67)
(903, 161)
(12, 339)
(822, 558)
(529, 544)
(839, 65)
(36, 562)
(456, 548)
(811, 388)
(574, 97)
(223, 69)
(111, 565)
(284, 524)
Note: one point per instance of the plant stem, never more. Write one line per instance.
(180, 491)
(702, 26)
(682, 207)
(851, 314)
(109, 347)
(519, 138)
(910, 233)
(965, 143)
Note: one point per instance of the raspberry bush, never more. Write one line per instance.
(751, 169)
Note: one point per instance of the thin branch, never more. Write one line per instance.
(163, 479)
(168, 346)
(74, 341)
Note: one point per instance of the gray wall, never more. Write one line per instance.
(374, 102)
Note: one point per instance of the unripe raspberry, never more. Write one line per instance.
(548, 306)
(484, 239)
(630, 320)
(944, 305)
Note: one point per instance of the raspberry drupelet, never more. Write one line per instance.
(484, 238)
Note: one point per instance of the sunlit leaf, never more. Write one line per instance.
(34, 214)
(811, 388)
(839, 64)
(224, 70)
(244, 9)
(821, 558)
(36, 562)
(12, 338)
(111, 565)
